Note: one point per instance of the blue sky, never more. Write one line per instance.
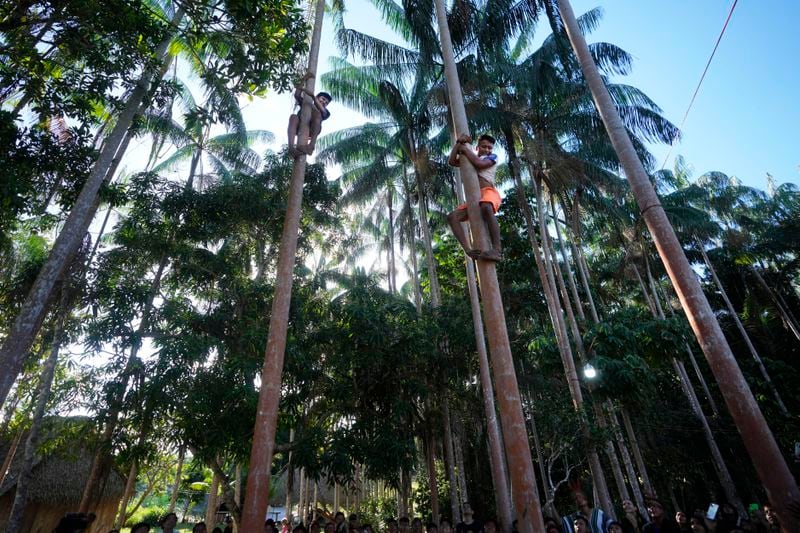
(745, 119)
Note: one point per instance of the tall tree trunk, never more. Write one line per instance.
(462, 477)
(580, 259)
(430, 455)
(745, 336)
(611, 453)
(127, 494)
(427, 242)
(392, 274)
(455, 514)
(497, 461)
(573, 287)
(693, 360)
(520, 465)
(626, 459)
(258, 479)
(786, 315)
(213, 503)
(719, 464)
(290, 481)
(43, 395)
(768, 460)
(556, 306)
(412, 247)
(649, 490)
(34, 309)
(173, 498)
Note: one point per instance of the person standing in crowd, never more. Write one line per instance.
(168, 523)
(683, 521)
(445, 526)
(773, 524)
(338, 519)
(141, 527)
(595, 517)
(200, 527)
(698, 524)
(490, 526)
(430, 527)
(469, 525)
(551, 525)
(632, 521)
(615, 527)
(659, 521)
(580, 524)
(416, 525)
(403, 525)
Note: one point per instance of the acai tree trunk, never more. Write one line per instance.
(25, 475)
(782, 489)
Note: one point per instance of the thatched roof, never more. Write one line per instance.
(60, 477)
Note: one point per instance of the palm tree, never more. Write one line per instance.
(258, 477)
(767, 458)
(523, 480)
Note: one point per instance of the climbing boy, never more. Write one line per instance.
(485, 162)
(319, 112)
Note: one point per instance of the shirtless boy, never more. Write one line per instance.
(319, 112)
(485, 162)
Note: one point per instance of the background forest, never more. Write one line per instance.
(135, 299)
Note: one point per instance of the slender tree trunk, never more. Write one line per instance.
(258, 479)
(301, 495)
(290, 482)
(786, 315)
(173, 498)
(693, 360)
(34, 309)
(455, 514)
(626, 459)
(595, 466)
(580, 260)
(573, 287)
(12, 451)
(745, 336)
(412, 247)
(213, 502)
(430, 454)
(523, 480)
(392, 274)
(719, 463)
(127, 494)
(637, 454)
(768, 460)
(43, 395)
(462, 475)
(611, 453)
(497, 461)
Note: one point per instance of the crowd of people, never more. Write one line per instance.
(584, 519)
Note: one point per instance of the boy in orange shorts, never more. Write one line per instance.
(485, 162)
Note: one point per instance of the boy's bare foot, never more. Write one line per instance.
(474, 253)
(293, 151)
(492, 255)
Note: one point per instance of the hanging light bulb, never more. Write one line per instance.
(589, 371)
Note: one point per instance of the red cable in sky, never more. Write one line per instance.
(705, 70)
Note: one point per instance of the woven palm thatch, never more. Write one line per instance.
(59, 478)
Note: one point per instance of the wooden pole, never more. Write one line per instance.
(520, 466)
(258, 479)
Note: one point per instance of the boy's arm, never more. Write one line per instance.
(476, 161)
(453, 159)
